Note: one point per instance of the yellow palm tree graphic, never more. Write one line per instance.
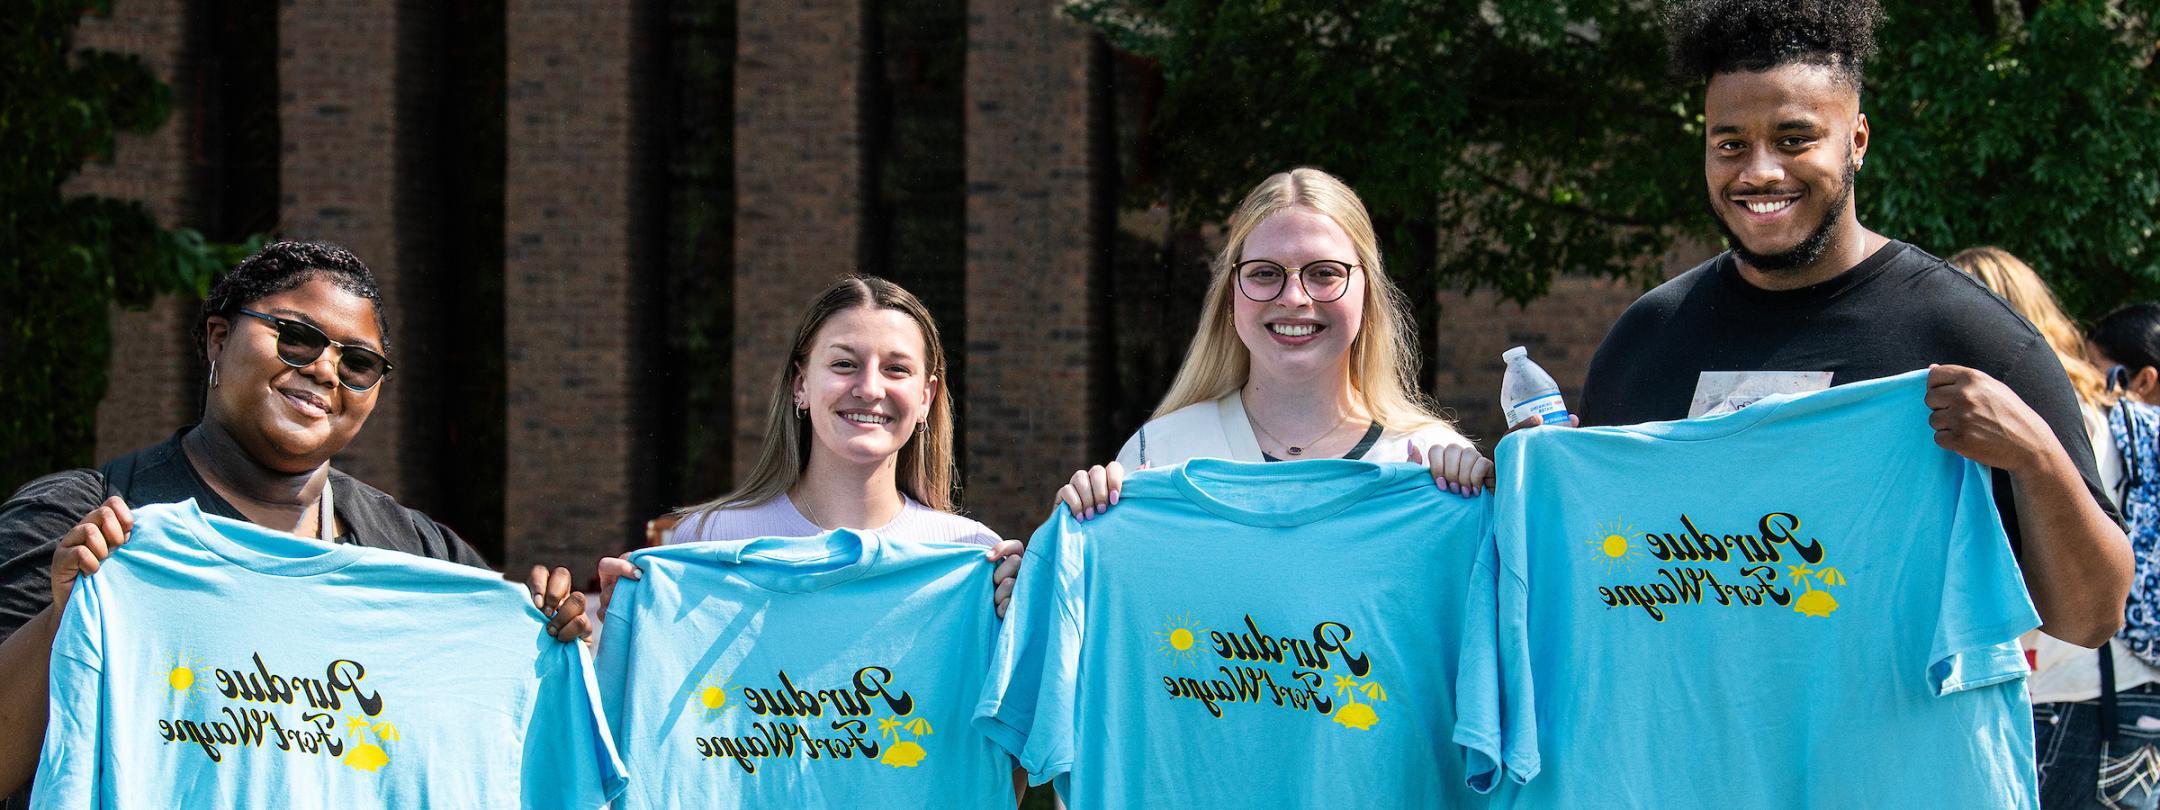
(1353, 714)
(1813, 602)
(903, 753)
(366, 755)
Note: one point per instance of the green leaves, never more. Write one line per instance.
(64, 261)
(1541, 138)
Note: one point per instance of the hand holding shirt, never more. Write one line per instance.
(1741, 611)
(829, 671)
(215, 663)
(1243, 635)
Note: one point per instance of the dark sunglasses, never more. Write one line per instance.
(300, 344)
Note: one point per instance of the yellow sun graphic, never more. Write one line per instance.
(1179, 638)
(711, 694)
(182, 675)
(1615, 545)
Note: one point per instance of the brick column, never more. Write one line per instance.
(798, 180)
(150, 384)
(338, 118)
(1030, 259)
(567, 282)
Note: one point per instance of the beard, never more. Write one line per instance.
(1808, 250)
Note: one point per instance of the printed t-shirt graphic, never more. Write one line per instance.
(215, 663)
(1243, 635)
(1803, 603)
(829, 671)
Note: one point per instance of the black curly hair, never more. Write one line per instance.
(283, 266)
(1709, 37)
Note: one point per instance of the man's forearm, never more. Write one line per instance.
(25, 659)
(2077, 562)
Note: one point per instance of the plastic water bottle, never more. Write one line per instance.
(1528, 391)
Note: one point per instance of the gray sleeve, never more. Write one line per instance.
(31, 525)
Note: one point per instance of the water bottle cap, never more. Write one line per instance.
(1514, 353)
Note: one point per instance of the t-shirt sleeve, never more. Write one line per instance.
(69, 763)
(2037, 377)
(1984, 604)
(1027, 704)
(570, 758)
(31, 525)
(1495, 707)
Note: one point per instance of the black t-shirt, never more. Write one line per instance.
(42, 511)
(1899, 310)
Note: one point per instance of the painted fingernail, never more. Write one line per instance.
(1113, 498)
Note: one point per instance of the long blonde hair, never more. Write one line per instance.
(1383, 354)
(2018, 284)
(926, 461)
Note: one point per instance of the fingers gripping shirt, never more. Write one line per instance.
(829, 671)
(214, 663)
(1804, 603)
(1243, 635)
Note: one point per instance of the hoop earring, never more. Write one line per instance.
(213, 374)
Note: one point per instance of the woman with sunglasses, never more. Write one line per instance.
(294, 339)
(1304, 351)
(2127, 344)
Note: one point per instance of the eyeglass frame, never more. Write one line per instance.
(1237, 275)
(328, 342)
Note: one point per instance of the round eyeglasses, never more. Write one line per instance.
(1323, 281)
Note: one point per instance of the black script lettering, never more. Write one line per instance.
(854, 730)
(345, 675)
(870, 682)
(1335, 637)
(1779, 527)
(1763, 575)
(276, 687)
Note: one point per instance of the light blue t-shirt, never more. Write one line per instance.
(1243, 635)
(829, 671)
(1803, 603)
(215, 663)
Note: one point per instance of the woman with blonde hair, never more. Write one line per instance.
(2068, 688)
(858, 435)
(1305, 350)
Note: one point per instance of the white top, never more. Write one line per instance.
(2067, 673)
(1219, 429)
(779, 518)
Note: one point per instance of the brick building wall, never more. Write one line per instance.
(355, 168)
(1032, 256)
(339, 117)
(568, 282)
(150, 382)
(1562, 331)
(798, 179)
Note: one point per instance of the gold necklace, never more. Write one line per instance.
(804, 510)
(1295, 449)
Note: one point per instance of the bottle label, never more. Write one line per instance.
(1547, 406)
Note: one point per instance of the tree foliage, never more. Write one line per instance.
(65, 260)
(1542, 137)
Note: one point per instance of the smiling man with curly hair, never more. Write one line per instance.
(1806, 296)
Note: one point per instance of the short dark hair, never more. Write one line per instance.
(1709, 37)
(282, 266)
(2130, 335)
